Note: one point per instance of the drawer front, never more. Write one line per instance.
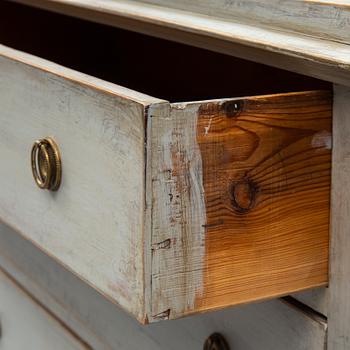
(26, 325)
(93, 223)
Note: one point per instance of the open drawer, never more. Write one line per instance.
(168, 209)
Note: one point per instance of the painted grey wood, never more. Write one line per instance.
(177, 272)
(325, 19)
(26, 325)
(94, 224)
(249, 39)
(264, 326)
(317, 299)
(339, 299)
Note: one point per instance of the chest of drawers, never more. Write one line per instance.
(213, 193)
(168, 208)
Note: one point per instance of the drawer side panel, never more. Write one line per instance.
(272, 325)
(241, 201)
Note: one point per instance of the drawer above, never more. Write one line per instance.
(169, 209)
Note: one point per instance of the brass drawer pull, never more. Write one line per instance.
(46, 164)
(216, 342)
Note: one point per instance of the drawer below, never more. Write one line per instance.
(26, 325)
(273, 325)
(169, 209)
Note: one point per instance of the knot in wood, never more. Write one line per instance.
(243, 195)
(232, 108)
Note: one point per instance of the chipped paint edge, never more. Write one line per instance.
(176, 250)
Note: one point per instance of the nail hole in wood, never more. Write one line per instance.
(232, 108)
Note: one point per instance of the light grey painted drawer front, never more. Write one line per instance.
(93, 224)
(26, 325)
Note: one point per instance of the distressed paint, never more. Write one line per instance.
(249, 29)
(261, 159)
(94, 224)
(178, 211)
(326, 19)
(246, 246)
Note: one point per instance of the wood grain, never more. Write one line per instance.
(21, 28)
(265, 326)
(177, 210)
(26, 325)
(260, 169)
(230, 206)
(326, 19)
(339, 301)
(266, 175)
(335, 3)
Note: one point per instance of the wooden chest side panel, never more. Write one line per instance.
(244, 189)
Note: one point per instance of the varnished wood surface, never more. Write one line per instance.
(326, 19)
(266, 174)
(114, 55)
(242, 197)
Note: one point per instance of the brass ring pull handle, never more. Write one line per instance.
(46, 164)
(216, 342)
